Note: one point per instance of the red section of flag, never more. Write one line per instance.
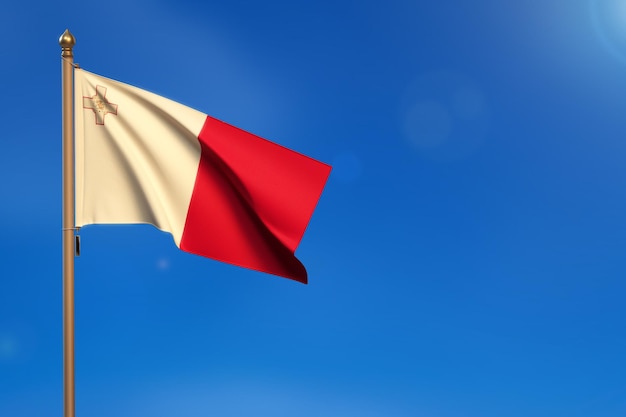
(252, 201)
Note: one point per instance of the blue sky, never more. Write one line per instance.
(465, 259)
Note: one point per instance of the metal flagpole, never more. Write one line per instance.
(67, 42)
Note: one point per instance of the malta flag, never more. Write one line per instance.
(221, 192)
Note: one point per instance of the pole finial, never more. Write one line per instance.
(67, 42)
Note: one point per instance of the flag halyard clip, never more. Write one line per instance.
(76, 240)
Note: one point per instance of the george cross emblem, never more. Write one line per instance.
(100, 105)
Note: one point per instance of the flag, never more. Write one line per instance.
(221, 192)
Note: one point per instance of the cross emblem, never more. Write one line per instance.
(100, 105)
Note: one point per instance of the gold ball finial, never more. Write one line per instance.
(67, 42)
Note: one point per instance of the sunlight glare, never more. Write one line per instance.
(609, 20)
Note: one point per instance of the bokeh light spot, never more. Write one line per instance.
(445, 115)
(163, 264)
(427, 124)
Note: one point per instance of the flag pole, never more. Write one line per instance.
(67, 42)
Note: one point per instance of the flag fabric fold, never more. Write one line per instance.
(221, 192)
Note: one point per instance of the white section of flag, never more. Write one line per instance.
(140, 164)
